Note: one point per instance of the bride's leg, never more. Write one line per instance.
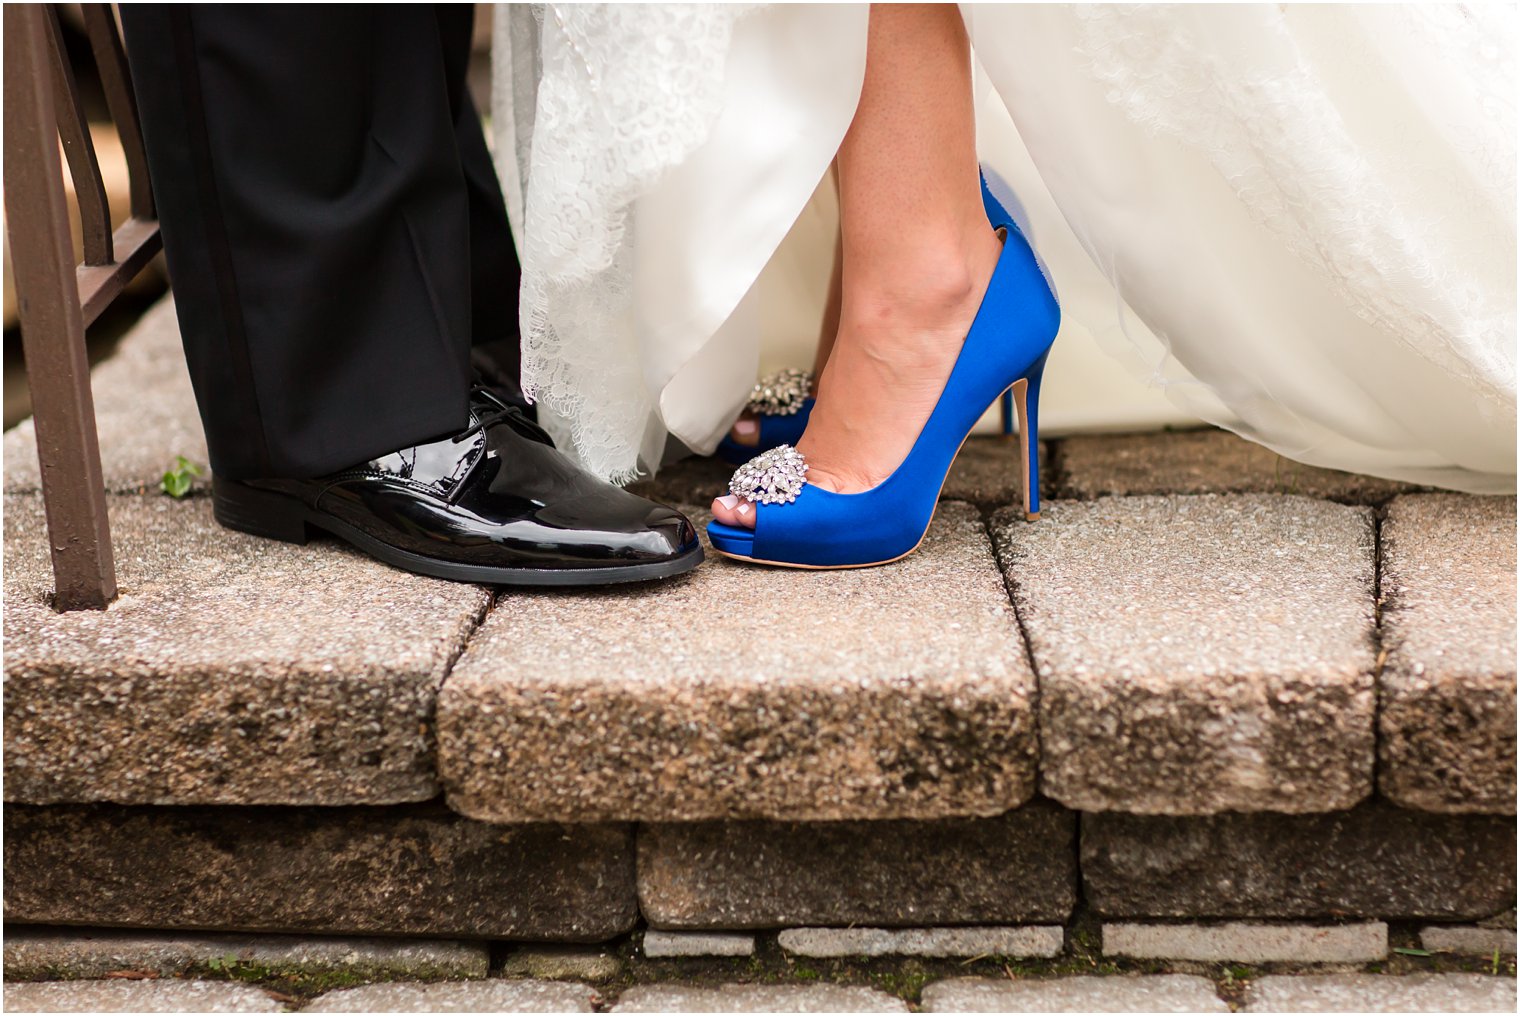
(918, 251)
(830, 330)
(746, 430)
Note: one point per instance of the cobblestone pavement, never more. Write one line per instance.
(1118, 993)
(923, 970)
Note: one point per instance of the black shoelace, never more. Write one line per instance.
(508, 414)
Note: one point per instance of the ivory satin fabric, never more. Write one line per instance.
(1297, 222)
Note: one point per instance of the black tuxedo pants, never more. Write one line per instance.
(333, 227)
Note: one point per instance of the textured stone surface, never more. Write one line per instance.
(757, 998)
(417, 870)
(1017, 868)
(231, 670)
(1372, 861)
(986, 472)
(562, 964)
(749, 692)
(500, 996)
(1249, 943)
(1164, 993)
(1382, 993)
(1447, 717)
(1468, 941)
(657, 944)
(1201, 462)
(137, 996)
(1033, 940)
(56, 953)
(144, 412)
(1199, 654)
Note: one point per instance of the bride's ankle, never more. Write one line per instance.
(925, 287)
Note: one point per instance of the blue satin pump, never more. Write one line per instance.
(999, 217)
(780, 430)
(1004, 351)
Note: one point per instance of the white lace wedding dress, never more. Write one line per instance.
(1298, 222)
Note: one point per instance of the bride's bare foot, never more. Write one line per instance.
(894, 353)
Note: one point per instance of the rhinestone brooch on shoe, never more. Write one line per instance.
(773, 477)
(781, 393)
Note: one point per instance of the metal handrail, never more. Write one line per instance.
(57, 297)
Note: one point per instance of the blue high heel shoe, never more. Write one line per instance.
(781, 405)
(786, 424)
(800, 525)
(999, 217)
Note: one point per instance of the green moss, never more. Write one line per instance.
(907, 985)
(1086, 939)
(306, 983)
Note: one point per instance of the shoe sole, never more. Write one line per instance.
(280, 517)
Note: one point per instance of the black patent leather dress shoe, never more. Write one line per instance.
(495, 503)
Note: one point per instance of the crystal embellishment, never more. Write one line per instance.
(773, 477)
(781, 393)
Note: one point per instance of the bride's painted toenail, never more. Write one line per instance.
(728, 501)
(744, 508)
(747, 428)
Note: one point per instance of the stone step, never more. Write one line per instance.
(231, 670)
(1268, 865)
(741, 692)
(893, 887)
(235, 670)
(1199, 654)
(1447, 703)
(417, 870)
(1017, 868)
(1181, 653)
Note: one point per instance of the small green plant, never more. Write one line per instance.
(1412, 952)
(177, 480)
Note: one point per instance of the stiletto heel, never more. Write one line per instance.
(1007, 406)
(800, 525)
(1026, 394)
